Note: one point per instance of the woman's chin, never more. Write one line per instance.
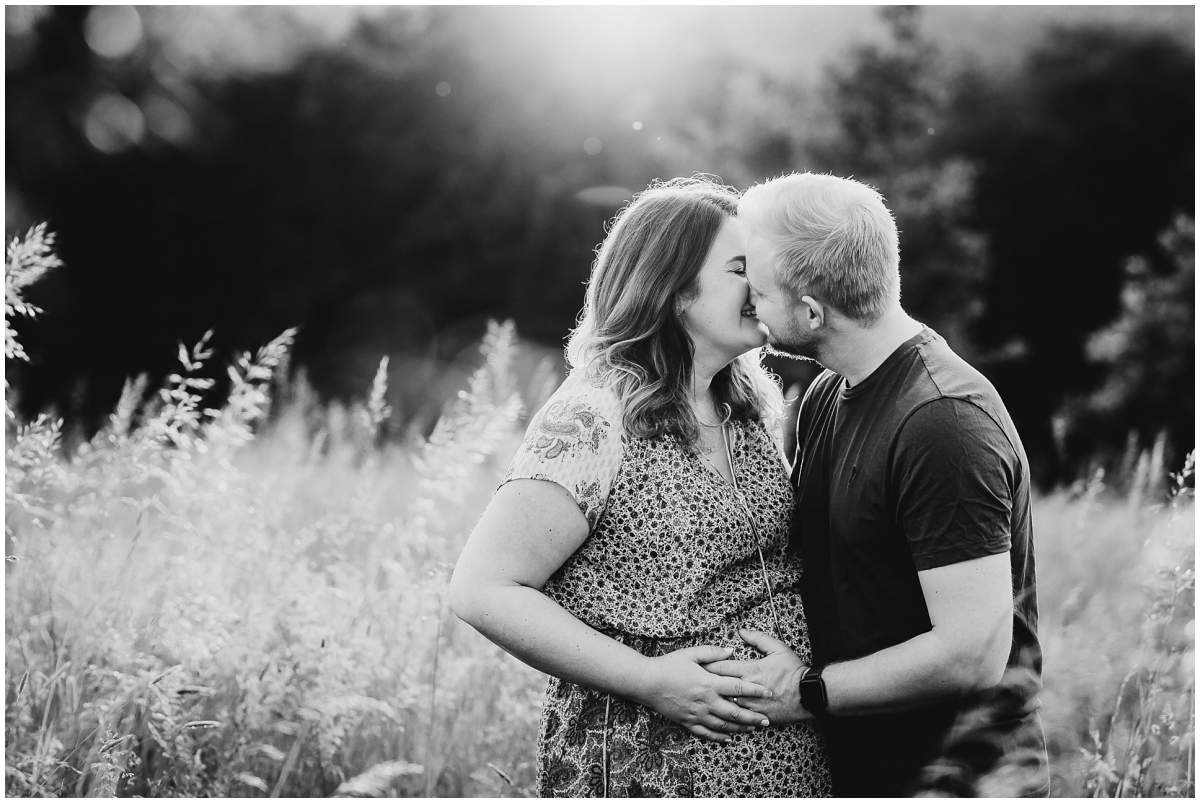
(753, 336)
(757, 341)
(761, 334)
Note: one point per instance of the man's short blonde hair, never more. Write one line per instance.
(833, 239)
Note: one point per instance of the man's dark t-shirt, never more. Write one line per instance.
(916, 467)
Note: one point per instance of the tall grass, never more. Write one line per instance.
(194, 610)
(1117, 583)
(221, 602)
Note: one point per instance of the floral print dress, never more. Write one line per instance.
(670, 561)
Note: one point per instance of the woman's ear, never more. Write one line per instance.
(683, 302)
(814, 312)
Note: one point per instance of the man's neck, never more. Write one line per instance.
(858, 350)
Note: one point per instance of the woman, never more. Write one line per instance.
(644, 521)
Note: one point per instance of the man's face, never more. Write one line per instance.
(774, 304)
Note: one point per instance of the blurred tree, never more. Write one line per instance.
(387, 196)
(1085, 155)
(1148, 354)
(739, 120)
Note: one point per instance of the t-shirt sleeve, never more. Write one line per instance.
(574, 441)
(955, 473)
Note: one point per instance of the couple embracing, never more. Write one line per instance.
(721, 620)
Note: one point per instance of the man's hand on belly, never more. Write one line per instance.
(779, 670)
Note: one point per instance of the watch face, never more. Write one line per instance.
(812, 694)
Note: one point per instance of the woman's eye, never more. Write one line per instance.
(738, 269)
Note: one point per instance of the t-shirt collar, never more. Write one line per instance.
(919, 339)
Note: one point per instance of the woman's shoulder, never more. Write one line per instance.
(582, 414)
(575, 440)
(584, 386)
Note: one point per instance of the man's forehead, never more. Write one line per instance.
(733, 231)
(760, 270)
(755, 242)
(758, 250)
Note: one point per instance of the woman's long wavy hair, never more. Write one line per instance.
(629, 336)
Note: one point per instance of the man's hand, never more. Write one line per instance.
(780, 671)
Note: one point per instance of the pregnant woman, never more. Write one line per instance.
(644, 522)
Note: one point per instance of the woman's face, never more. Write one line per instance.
(720, 319)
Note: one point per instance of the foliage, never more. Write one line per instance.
(195, 608)
(26, 260)
(383, 217)
(1085, 155)
(1124, 630)
(1147, 351)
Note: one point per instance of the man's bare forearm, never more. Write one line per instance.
(917, 672)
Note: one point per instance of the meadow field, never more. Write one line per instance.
(208, 602)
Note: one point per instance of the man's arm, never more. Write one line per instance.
(970, 606)
(955, 500)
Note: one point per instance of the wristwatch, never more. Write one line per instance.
(812, 692)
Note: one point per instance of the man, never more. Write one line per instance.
(912, 516)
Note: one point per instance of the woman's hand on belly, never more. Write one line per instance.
(679, 687)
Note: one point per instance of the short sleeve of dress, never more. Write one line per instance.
(574, 441)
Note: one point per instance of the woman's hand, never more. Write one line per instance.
(678, 687)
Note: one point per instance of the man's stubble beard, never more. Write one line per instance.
(793, 348)
(800, 353)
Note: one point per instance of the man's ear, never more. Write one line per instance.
(814, 312)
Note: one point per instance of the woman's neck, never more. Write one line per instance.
(702, 400)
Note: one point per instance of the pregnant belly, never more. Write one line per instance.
(582, 728)
(786, 623)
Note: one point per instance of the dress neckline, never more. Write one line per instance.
(734, 443)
